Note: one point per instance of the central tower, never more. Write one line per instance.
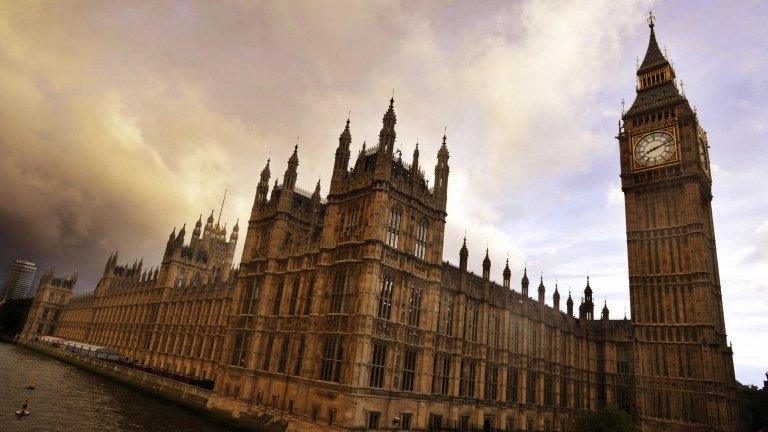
(684, 367)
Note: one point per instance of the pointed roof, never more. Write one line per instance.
(507, 271)
(524, 280)
(653, 55)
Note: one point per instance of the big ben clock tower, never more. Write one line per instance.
(683, 365)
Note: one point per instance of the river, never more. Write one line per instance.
(70, 399)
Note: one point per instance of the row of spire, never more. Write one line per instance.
(586, 308)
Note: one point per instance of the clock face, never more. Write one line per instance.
(654, 149)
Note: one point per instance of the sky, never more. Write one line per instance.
(120, 121)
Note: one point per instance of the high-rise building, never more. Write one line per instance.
(18, 281)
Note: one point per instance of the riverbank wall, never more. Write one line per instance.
(187, 395)
(181, 393)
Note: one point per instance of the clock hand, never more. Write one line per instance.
(655, 148)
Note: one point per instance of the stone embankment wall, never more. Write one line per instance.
(185, 394)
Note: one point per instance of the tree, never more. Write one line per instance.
(13, 313)
(753, 408)
(607, 419)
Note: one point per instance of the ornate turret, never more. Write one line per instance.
(486, 266)
(507, 274)
(262, 190)
(556, 299)
(463, 255)
(387, 133)
(341, 163)
(542, 290)
(415, 161)
(589, 306)
(289, 179)
(182, 234)
(604, 314)
(235, 231)
(569, 304)
(524, 282)
(441, 173)
(196, 232)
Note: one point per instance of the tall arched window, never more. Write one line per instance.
(421, 238)
(393, 228)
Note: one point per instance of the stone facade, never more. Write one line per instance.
(343, 315)
(172, 317)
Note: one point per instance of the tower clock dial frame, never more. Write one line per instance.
(655, 148)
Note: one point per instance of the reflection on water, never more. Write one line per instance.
(70, 399)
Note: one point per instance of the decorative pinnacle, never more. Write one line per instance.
(651, 19)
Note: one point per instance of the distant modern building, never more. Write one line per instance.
(19, 280)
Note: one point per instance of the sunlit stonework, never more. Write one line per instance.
(344, 316)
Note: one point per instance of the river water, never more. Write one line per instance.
(70, 399)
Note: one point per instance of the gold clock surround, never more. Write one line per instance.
(635, 139)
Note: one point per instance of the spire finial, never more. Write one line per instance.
(651, 19)
(623, 103)
(222, 206)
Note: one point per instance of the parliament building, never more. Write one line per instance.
(343, 315)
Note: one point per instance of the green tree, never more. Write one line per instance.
(13, 313)
(753, 408)
(607, 419)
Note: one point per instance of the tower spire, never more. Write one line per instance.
(222, 204)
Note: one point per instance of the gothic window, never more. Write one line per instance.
(310, 293)
(548, 390)
(330, 363)
(470, 322)
(491, 381)
(493, 329)
(622, 360)
(512, 384)
(352, 220)
(378, 362)
(421, 238)
(278, 298)
(414, 306)
(337, 290)
(393, 227)
(467, 378)
(293, 298)
(196, 280)
(267, 353)
(409, 370)
(564, 392)
(299, 358)
(441, 374)
(445, 323)
(385, 297)
(240, 348)
(180, 278)
(288, 242)
(249, 305)
(282, 359)
(530, 387)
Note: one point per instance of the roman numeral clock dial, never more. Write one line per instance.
(654, 149)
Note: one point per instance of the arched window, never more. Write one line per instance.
(180, 278)
(414, 306)
(393, 228)
(421, 239)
